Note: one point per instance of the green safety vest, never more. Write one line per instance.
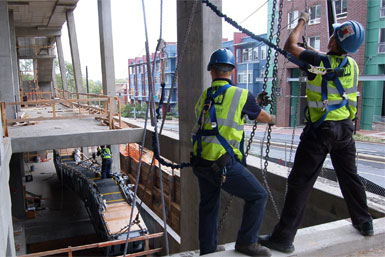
(106, 153)
(228, 109)
(349, 81)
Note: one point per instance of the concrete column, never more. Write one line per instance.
(36, 76)
(16, 166)
(6, 66)
(106, 47)
(62, 66)
(115, 158)
(194, 78)
(75, 52)
(14, 59)
(54, 81)
(107, 63)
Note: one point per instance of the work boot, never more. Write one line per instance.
(366, 228)
(253, 249)
(269, 242)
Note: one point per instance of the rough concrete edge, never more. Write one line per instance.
(337, 238)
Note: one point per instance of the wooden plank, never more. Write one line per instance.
(4, 118)
(54, 110)
(60, 101)
(58, 118)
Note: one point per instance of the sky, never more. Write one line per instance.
(128, 29)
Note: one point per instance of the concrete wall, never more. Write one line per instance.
(325, 204)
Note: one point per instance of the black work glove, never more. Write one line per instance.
(263, 99)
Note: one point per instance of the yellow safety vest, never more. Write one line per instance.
(349, 82)
(228, 109)
(106, 154)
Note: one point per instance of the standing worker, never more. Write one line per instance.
(218, 155)
(332, 105)
(106, 155)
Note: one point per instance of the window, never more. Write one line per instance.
(157, 80)
(263, 52)
(250, 57)
(250, 76)
(245, 54)
(382, 9)
(315, 42)
(315, 14)
(341, 8)
(262, 73)
(255, 53)
(245, 76)
(166, 64)
(381, 43)
(242, 78)
(291, 19)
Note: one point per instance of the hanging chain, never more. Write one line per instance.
(273, 95)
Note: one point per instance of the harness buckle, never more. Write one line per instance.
(206, 107)
(317, 70)
(325, 103)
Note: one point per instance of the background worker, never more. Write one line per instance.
(218, 156)
(106, 155)
(332, 104)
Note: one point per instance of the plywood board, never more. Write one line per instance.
(117, 216)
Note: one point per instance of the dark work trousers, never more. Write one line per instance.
(241, 183)
(335, 138)
(106, 168)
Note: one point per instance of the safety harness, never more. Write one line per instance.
(209, 106)
(331, 74)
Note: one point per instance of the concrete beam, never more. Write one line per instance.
(7, 93)
(35, 32)
(74, 51)
(108, 137)
(37, 57)
(202, 41)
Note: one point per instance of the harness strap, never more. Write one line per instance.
(332, 75)
(209, 105)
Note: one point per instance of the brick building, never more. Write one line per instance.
(317, 35)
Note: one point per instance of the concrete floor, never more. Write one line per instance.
(61, 215)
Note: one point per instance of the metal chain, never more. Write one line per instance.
(273, 95)
(225, 212)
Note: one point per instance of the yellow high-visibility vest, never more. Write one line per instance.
(228, 109)
(349, 81)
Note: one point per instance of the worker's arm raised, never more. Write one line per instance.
(291, 44)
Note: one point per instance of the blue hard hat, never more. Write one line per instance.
(222, 56)
(349, 35)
